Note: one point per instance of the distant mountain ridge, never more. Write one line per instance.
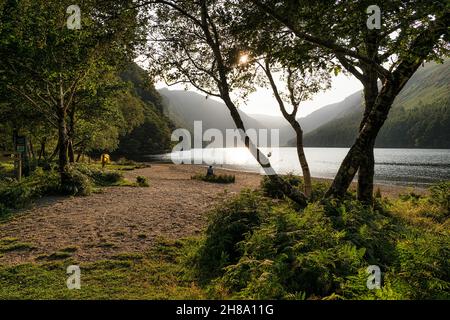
(185, 107)
(420, 117)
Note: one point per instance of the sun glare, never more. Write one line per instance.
(243, 59)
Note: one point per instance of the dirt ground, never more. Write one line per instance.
(120, 219)
(123, 219)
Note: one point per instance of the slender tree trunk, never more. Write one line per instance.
(55, 152)
(81, 153)
(71, 152)
(71, 134)
(33, 155)
(63, 143)
(367, 166)
(42, 152)
(263, 161)
(302, 158)
(214, 43)
(295, 125)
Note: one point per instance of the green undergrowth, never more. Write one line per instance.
(159, 273)
(219, 178)
(261, 247)
(81, 180)
(258, 246)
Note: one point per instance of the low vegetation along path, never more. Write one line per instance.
(119, 219)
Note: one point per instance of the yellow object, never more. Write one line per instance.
(105, 159)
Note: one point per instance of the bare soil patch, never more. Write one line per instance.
(120, 219)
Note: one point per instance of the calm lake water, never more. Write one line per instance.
(393, 166)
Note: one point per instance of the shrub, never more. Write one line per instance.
(228, 225)
(125, 162)
(77, 184)
(366, 228)
(318, 190)
(142, 182)
(3, 210)
(272, 188)
(440, 194)
(422, 268)
(220, 178)
(106, 178)
(419, 271)
(100, 177)
(323, 251)
(292, 255)
(17, 195)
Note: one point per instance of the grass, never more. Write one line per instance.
(142, 182)
(86, 178)
(106, 245)
(260, 246)
(217, 178)
(13, 244)
(59, 255)
(157, 274)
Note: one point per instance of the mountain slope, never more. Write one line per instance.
(420, 116)
(333, 111)
(185, 107)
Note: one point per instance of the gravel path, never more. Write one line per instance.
(121, 219)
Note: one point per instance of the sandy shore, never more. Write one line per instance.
(125, 219)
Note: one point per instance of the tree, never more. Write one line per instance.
(193, 45)
(412, 32)
(272, 52)
(47, 64)
(301, 84)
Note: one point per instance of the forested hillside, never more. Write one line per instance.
(420, 117)
(124, 117)
(152, 136)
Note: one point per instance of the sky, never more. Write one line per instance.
(263, 102)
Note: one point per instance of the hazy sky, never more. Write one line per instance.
(263, 102)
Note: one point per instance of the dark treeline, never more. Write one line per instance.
(138, 127)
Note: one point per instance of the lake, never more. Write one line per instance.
(393, 166)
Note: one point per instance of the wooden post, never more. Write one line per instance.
(18, 166)
(20, 149)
